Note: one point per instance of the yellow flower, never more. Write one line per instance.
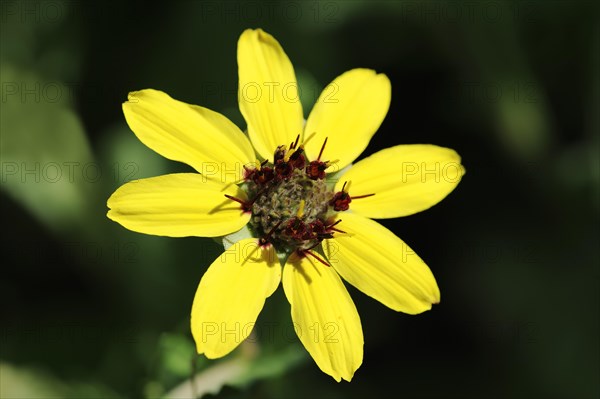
(302, 204)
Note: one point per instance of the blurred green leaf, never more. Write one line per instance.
(47, 164)
(523, 124)
(240, 371)
(127, 158)
(271, 365)
(177, 353)
(23, 383)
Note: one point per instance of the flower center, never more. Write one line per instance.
(292, 207)
(294, 210)
(291, 203)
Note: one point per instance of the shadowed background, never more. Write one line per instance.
(90, 309)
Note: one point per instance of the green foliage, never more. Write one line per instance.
(91, 310)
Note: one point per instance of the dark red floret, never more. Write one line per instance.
(316, 170)
(340, 201)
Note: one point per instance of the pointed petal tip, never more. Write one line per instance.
(168, 206)
(404, 284)
(134, 96)
(230, 296)
(209, 353)
(212, 355)
(307, 283)
(255, 34)
(338, 376)
(171, 128)
(272, 119)
(349, 112)
(256, 31)
(427, 306)
(425, 176)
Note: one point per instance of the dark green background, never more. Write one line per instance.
(89, 309)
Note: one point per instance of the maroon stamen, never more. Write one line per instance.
(283, 169)
(292, 146)
(308, 252)
(334, 224)
(316, 170)
(279, 154)
(362, 196)
(297, 158)
(322, 148)
(265, 240)
(262, 176)
(340, 201)
(333, 228)
(245, 205)
(259, 175)
(296, 228)
(258, 194)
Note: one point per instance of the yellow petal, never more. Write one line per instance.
(204, 139)
(230, 296)
(268, 92)
(324, 316)
(405, 179)
(348, 112)
(178, 205)
(374, 260)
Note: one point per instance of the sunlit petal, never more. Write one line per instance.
(405, 179)
(178, 205)
(324, 316)
(348, 112)
(268, 92)
(374, 260)
(204, 139)
(230, 296)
